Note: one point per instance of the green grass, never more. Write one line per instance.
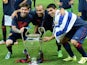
(49, 48)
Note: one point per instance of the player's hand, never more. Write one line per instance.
(22, 30)
(15, 13)
(79, 14)
(62, 11)
(45, 39)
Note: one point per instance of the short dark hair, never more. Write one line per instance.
(25, 5)
(51, 6)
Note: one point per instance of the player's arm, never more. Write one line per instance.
(15, 13)
(36, 28)
(5, 1)
(24, 1)
(48, 38)
(14, 26)
(16, 30)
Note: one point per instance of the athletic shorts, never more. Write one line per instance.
(16, 36)
(78, 34)
(71, 33)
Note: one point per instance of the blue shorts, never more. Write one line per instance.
(16, 36)
(80, 34)
(71, 32)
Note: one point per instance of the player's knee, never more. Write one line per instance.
(64, 40)
(74, 42)
(9, 42)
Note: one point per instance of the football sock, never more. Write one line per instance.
(4, 33)
(58, 46)
(9, 49)
(81, 50)
(68, 49)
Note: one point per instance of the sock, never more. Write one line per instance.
(4, 33)
(81, 50)
(9, 49)
(68, 49)
(58, 45)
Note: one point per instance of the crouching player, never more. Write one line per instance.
(41, 18)
(68, 26)
(18, 26)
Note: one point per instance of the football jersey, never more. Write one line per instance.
(20, 22)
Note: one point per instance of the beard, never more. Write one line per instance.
(24, 15)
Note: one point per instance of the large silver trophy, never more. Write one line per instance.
(32, 38)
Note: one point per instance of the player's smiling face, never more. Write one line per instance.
(40, 10)
(24, 11)
(51, 11)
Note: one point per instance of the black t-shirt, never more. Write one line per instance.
(20, 22)
(46, 21)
